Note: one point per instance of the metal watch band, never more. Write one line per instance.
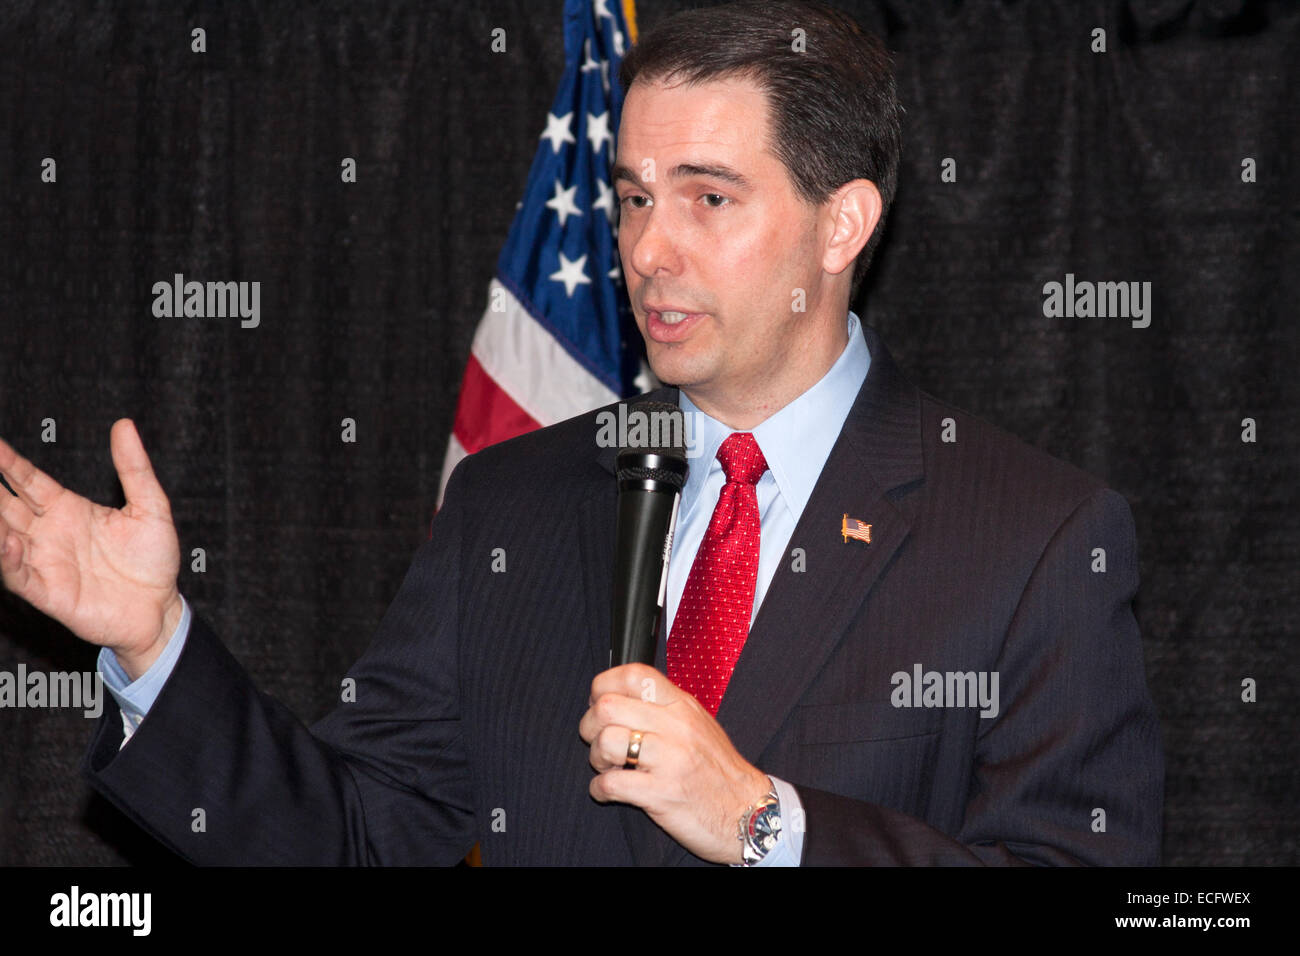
(760, 826)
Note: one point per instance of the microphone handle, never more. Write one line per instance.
(646, 522)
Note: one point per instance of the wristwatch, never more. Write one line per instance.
(760, 826)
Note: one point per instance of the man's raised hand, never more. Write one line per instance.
(108, 575)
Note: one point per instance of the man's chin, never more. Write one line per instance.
(683, 380)
(673, 369)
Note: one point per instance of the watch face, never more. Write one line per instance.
(761, 830)
(764, 826)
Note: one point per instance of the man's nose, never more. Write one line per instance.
(654, 246)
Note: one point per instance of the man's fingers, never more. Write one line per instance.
(139, 483)
(35, 488)
(624, 786)
(14, 573)
(635, 680)
(610, 749)
(9, 549)
(14, 514)
(621, 711)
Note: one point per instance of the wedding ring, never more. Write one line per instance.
(633, 751)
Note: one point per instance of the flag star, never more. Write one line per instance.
(571, 273)
(606, 200)
(558, 130)
(601, 10)
(618, 42)
(614, 272)
(604, 74)
(588, 64)
(562, 202)
(598, 130)
(646, 380)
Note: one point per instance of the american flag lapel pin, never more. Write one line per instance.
(853, 528)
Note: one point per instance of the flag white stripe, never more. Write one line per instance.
(454, 454)
(530, 366)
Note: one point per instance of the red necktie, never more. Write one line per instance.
(712, 618)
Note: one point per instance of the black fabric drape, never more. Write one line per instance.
(1125, 166)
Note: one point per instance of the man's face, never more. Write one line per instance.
(710, 225)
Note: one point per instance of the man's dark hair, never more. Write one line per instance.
(834, 113)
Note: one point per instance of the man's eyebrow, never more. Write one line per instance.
(685, 171)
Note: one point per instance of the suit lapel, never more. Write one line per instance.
(878, 450)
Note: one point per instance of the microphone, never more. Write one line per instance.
(651, 473)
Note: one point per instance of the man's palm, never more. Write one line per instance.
(108, 575)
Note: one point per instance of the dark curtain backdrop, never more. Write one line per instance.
(1121, 166)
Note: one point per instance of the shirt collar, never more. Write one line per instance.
(796, 440)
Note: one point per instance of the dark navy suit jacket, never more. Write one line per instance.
(983, 558)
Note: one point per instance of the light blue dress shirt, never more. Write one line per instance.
(795, 441)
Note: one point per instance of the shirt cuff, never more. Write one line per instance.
(136, 697)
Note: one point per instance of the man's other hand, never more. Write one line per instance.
(106, 574)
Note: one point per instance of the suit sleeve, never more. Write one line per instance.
(224, 774)
(1071, 771)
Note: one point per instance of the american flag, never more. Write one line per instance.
(853, 528)
(557, 336)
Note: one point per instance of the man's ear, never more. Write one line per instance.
(850, 215)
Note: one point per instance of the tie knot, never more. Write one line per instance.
(741, 458)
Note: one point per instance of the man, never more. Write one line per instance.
(887, 637)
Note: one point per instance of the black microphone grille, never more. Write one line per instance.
(652, 445)
(654, 428)
(674, 477)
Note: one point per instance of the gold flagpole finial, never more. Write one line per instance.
(629, 14)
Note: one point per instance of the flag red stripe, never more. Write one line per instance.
(485, 414)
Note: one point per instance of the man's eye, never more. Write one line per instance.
(626, 199)
(717, 205)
